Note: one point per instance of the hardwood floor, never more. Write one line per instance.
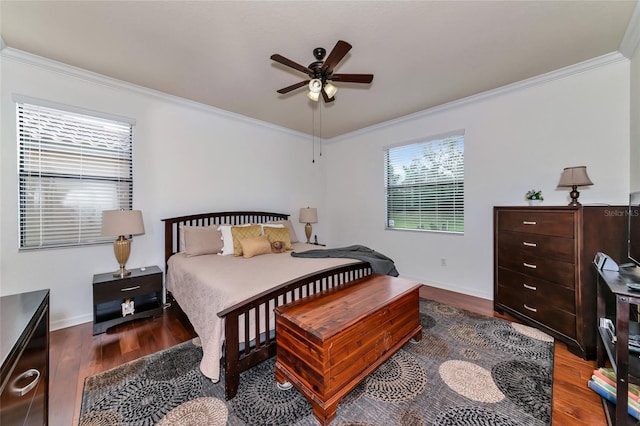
(76, 354)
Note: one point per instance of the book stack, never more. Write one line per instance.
(603, 382)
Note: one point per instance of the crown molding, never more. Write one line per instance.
(561, 73)
(16, 55)
(631, 38)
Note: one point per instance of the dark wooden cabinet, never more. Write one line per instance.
(542, 267)
(24, 344)
(144, 287)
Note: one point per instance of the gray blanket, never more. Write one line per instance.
(380, 264)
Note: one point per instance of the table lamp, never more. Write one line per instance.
(308, 215)
(574, 177)
(118, 223)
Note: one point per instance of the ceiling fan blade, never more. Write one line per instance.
(326, 97)
(353, 78)
(292, 87)
(288, 62)
(339, 51)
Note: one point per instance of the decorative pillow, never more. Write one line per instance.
(241, 232)
(254, 246)
(287, 224)
(202, 240)
(227, 238)
(279, 234)
(278, 246)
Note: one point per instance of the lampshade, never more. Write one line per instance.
(314, 96)
(122, 222)
(574, 176)
(330, 89)
(308, 215)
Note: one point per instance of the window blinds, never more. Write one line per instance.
(424, 185)
(71, 168)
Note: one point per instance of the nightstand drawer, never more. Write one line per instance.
(126, 288)
(554, 223)
(535, 290)
(557, 248)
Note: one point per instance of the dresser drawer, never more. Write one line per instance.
(556, 248)
(542, 311)
(126, 288)
(536, 290)
(562, 273)
(556, 223)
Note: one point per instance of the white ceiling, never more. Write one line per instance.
(422, 53)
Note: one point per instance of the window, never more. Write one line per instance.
(424, 185)
(71, 167)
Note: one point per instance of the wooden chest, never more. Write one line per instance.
(329, 342)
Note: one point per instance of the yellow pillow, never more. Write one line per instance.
(279, 234)
(254, 246)
(241, 232)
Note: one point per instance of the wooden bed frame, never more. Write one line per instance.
(239, 357)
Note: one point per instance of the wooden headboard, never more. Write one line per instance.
(172, 225)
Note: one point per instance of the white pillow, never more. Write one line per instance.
(269, 225)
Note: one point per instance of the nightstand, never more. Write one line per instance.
(143, 287)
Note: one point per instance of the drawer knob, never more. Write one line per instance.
(20, 392)
(529, 265)
(530, 287)
(525, 243)
(529, 222)
(529, 308)
(135, 287)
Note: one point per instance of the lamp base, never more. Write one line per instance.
(307, 232)
(121, 273)
(574, 194)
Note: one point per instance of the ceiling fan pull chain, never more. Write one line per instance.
(320, 131)
(313, 135)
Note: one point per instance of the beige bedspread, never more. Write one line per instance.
(205, 285)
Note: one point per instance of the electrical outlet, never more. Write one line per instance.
(443, 262)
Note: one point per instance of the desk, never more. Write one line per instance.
(627, 366)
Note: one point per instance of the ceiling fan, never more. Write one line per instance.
(321, 72)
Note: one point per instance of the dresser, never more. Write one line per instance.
(24, 347)
(542, 267)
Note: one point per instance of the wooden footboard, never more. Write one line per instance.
(251, 316)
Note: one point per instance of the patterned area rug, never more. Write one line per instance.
(467, 370)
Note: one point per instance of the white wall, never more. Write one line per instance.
(187, 159)
(514, 142)
(635, 120)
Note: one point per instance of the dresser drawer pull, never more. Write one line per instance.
(528, 265)
(530, 287)
(135, 287)
(529, 308)
(32, 372)
(529, 222)
(529, 244)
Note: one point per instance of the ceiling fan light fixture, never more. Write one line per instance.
(315, 85)
(330, 89)
(314, 96)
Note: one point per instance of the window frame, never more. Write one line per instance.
(428, 192)
(72, 164)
